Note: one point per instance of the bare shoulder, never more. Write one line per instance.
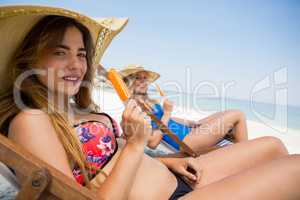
(33, 130)
(27, 122)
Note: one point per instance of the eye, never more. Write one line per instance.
(59, 53)
(81, 55)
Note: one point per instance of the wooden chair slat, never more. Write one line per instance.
(24, 163)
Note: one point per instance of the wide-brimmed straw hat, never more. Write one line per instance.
(134, 68)
(17, 21)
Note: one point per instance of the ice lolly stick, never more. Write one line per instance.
(161, 92)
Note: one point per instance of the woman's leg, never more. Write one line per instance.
(276, 180)
(239, 131)
(233, 159)
(215, 127)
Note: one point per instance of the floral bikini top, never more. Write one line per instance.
(99, 145)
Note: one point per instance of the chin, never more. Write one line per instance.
(68, 91)
(72, 93)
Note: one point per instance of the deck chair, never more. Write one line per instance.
(39, 180)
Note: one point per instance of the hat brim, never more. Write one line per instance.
(17, 21)
(127, 72)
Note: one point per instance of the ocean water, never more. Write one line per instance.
(284, 116)
(273, 115)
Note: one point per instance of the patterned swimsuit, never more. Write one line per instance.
(99, 145)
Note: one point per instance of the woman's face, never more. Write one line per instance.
(65, 64)
(140, 83)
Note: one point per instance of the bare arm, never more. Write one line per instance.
(137, 129)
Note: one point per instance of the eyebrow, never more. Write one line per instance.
(68, 48)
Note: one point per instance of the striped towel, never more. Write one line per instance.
(224, 143)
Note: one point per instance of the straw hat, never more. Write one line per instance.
(133, 68)
(17, 21)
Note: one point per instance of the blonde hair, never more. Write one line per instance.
(47, 32)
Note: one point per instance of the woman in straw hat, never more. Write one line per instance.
(199, 135)
(45, 106)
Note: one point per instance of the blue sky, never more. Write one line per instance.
(218, 41)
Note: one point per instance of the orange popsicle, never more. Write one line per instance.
(119, 85)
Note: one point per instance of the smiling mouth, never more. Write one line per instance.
(72, 79)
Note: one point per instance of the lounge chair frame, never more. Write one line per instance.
(40, 180)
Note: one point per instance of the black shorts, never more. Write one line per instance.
(181, 189)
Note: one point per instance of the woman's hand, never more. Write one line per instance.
(168, 106)
(186, 167)
(136, 124)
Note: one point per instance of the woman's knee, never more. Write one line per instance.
(274, 145)
(237, 114)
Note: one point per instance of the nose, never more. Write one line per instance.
(145, 81)
(74, 63)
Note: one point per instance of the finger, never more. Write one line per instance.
(131, 104)
(194, 170)
(191, 169)
(139, 109)
(141, 117)
(188, 181)
(199, 175)
(189, 175)
(135, 114)
(128, 107)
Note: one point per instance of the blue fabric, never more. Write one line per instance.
(180, 130)
(158, 112)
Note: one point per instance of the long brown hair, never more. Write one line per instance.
(47, 32)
